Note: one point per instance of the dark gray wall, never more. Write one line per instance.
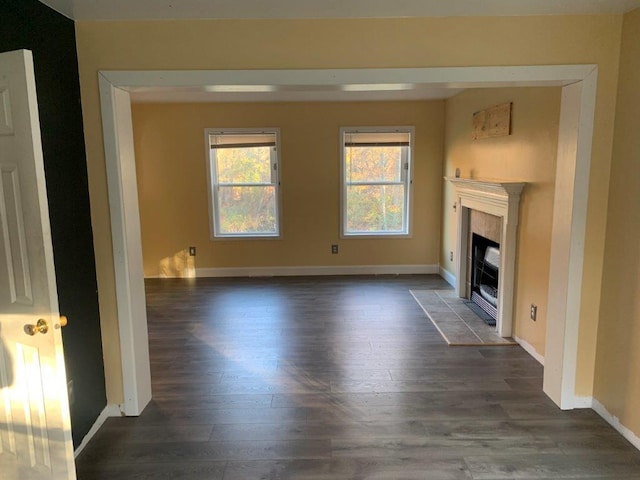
(50, 36)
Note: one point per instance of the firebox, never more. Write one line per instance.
(485, 275)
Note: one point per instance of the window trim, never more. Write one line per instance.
(409, 182)
(212, 182)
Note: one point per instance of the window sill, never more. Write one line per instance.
(233, 238)
(371, 236)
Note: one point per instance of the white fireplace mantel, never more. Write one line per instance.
(502, 199)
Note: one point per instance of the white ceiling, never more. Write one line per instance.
(200, 9)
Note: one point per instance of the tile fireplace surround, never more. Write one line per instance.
(502, 199)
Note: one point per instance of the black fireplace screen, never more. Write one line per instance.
(485, 274)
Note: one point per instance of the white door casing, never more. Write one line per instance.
(568, 235)
(35, 426)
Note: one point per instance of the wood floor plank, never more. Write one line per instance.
(213, 470)
(165, 432)
(619, 465)
(350, 469)
(188, 452)
(440, 447)
(339, 378)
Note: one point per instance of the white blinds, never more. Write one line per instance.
(238, 140)
(377, 139)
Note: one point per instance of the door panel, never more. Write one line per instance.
(18, 280)
(6, 124)
(35, 428)
(31, 396)
(7, 433)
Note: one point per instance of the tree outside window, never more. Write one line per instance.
(243, 167)
(376, 181)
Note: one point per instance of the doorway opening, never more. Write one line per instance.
(574, 153)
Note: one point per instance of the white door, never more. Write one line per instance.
(35, 428)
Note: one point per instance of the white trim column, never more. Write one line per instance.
(567, 247)
(127, 246)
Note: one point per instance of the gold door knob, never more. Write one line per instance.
(63, 320)
(40, 327)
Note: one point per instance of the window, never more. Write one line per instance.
(376, 178)
(244, 185)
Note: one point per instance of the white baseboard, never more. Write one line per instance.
(167, 276)
(529, 349)
(615, 423)
(314, 271)
(109, 411)
(582, 402)
(448, 276)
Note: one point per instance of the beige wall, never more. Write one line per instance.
(617, 384)
(172, 184)
(351, 43)
(527, 155)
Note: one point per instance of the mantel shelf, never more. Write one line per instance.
(488, 186)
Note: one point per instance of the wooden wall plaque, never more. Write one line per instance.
(492, 122)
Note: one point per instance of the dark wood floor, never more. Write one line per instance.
(338, 378)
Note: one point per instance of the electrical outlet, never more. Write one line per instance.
(451, 256)
(192, 251)
(534, 312)
(334, 249)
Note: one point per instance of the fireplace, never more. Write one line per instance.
(494, 205)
